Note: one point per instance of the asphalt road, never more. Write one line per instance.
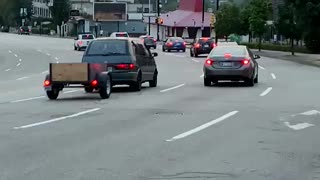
(178, 130)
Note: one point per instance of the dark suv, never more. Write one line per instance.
(129, 61)
(149, 41)
(24, 30)
(202, 45)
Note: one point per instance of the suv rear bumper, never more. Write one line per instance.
(119, 78)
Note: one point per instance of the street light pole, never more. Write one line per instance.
(202, 26)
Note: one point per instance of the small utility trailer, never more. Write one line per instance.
(78, 75)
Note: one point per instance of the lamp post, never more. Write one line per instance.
(217, 6)
(202, 26)
(158, 26)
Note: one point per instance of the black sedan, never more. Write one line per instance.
(202, 45)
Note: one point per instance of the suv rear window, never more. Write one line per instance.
(234, 51)
(148, 39)
(87, 36)
(206, 41)
(108, 48)
(121, 35)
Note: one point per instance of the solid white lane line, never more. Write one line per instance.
(172, 88)
(310, 113)
(266, 91)
(44, 72)
(7, 70)
(273, 76)
(15, 55)
(202, 127)
(27, 99)
(48, 54)
(25, 77)
(197, 61)
(262, 67)
(57, 119)
(20, 60)
(18, 64)
(299, 126)
(10, 51)
(202, 75)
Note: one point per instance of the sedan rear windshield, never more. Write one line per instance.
(121, 35)
(108, 48)
(220, 51)
(87, 36)
(177, 39)
(206, 41)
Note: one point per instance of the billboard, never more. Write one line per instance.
(106, 11)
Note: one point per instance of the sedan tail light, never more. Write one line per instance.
(154, 40)
(169, 44)
(184, 43)
(246, 62)
(214, 45)
(197, 45)
(209, 62)
(125, 66)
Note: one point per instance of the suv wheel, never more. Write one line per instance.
(136, 86)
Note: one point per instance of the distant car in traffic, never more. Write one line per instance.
(149, 41)
(24, 30)
(174, 43)
(82, 41)
(119, 34)
(202, 45)
(129, 62)
(234, 63)
(226, 43)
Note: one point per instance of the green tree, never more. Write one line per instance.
(259, 11)
(228, 21)
(60, 11)
(244, 27)
(10, 11)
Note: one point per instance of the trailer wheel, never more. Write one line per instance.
(53, 95)
(105, 91)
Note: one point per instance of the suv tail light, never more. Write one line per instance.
(46, 83)
(245, 61)
(125, 66)
(209, 62)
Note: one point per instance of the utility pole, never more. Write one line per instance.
(158, 26)
(217, 5)
(202, 26)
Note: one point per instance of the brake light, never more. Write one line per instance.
(205, 39)
(21, 30)
(246, 61)
(94, 83)
(154, 40)
(184, 43)
(46, 83)
(214, 45)
(80, 43)
(169, 44)
(227, 56)
(197, 45)
(209, 62)
(125, 66)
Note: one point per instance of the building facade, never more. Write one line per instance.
(41, 8)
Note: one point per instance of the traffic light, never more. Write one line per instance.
(157, 20)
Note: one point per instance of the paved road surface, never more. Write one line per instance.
(178, 130)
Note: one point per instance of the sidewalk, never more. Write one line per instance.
(307, 59)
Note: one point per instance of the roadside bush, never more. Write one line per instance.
(274, 47)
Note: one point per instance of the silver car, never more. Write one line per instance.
(234, 63)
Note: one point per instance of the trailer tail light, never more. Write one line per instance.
(94, 83)
(46, 83)
(125, 66)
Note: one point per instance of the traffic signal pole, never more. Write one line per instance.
(202, 26)
(158, 26)
(217, 5)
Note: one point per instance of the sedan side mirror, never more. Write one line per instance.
(256, 56)
(154, 54)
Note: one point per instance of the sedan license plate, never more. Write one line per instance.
(178, 44)
(206, 46)
(226, 64)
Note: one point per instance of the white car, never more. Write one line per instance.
(82, 41)
(119, 34)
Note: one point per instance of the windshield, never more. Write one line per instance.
(220, 51)
(108, 48)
